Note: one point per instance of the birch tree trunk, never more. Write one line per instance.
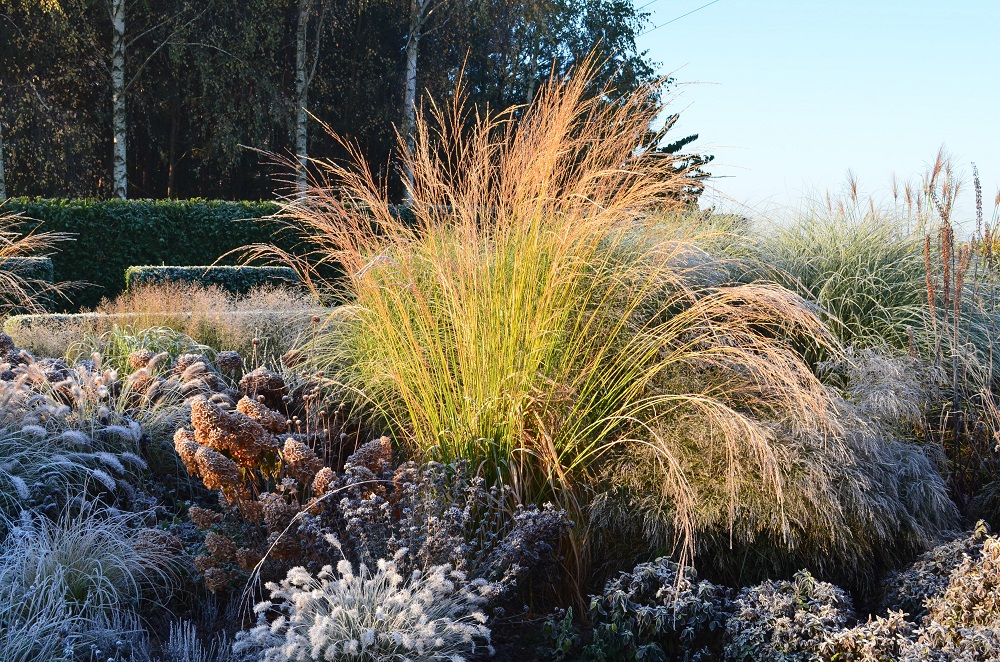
(119, 173)
(302, 79)
(417, 15)
(532, 71)
(3, 178)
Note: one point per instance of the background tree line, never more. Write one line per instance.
(162, 98)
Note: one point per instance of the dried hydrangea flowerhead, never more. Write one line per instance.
(203, 562)
(375, 456)
(229, 362)
(221, 547)
(233, 432)
(186, 448)
(278, 513)
(247, 558)
(269, 419)
(6, 344)
(203, 517)
(218, 472)
(140, 358)
(284, 546)
(216, 579)
(325, 480)
(262, 383)
(300, 461)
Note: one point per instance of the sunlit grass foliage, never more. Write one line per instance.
(542, 317)
(18, 292)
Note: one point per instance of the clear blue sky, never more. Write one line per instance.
(789, 95)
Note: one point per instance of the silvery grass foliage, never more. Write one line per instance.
(76, 585)
(857, 500)
(371, 616)
(184, 645)
(60, 434)
(863, 265)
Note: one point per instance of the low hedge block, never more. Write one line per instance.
(275, 330)
(30, 268)
(111, 235)
(238, 280)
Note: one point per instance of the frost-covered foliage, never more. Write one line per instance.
(371, 616)
(882, 639)
(438, 514)
(61, 435)
(908, 591)
(76, 585)
(785, 621)
(966, 614)
(659, 611)
(955, 592)
(886, 386)
(184, 645)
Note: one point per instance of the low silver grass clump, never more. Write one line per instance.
(49, 448)
(75, 586)
(371, 616)
(184, 645)
(43, 626)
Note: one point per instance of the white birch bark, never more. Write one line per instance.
(418, 13)
(302, 79)
(3, 178)
(119, 173)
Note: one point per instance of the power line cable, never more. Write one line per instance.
(653, 29)
(651, 2)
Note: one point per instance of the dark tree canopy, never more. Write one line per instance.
(210, 83)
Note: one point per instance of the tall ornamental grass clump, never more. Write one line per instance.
(22, 290)
(540, 317)
(890, 274)
(907, 277)
(863, 265)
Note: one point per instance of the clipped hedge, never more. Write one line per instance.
(112, 235)
(235, 279)
(275, 330)
(30, 268)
